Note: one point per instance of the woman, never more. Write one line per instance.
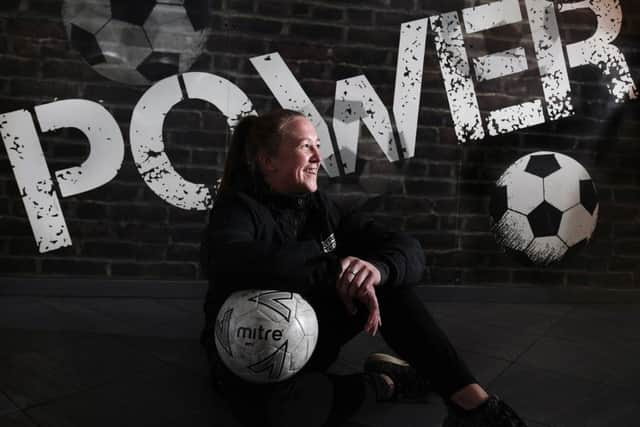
(272, 229)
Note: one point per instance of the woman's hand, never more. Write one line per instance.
(357, 281)
(374, 321)
(356, 276)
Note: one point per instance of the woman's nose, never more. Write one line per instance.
(315, 153)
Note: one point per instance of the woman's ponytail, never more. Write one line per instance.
(239, 167)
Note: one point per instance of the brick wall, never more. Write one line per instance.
(441, 196)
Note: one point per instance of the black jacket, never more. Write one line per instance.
(295, 243)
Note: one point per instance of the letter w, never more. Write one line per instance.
(356, 100)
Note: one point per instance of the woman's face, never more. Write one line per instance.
(295, 166)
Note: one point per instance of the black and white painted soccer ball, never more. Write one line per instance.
(137, 41)
(265, 335)
(543, 206)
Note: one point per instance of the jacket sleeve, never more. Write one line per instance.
(400, 255)
(239, 258)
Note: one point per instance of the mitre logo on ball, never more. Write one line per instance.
(137, 41)
(544, 206)
(265, 335)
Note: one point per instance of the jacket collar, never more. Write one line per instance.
(262, 192)
(287, 200)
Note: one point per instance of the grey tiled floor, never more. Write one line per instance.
(83, 362)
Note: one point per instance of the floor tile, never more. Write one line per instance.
(185, 353)
(171, 398)
(500, 342)
(611, 406)
(531, 423)
(137, 362)
(531, 319)
(603, 322)
(485, 368)
(613, 363)
(547, 397)
(6, 405)
(428, 414)
(32, 314)
(131, 316)
(37, 366)
(16, 419)
(190, 305)
(85, 318)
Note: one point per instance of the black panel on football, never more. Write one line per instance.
(588, 196)
(197, 12)
(544, 220)
(542, 165)
(133, 12)
(86, 43)
(159, 65)
(498, 205)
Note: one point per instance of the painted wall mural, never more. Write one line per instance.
(430, 51)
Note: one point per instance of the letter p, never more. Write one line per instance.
(32, 174)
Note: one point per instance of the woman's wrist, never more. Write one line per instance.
(383, 269)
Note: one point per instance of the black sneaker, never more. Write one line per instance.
(408, 385)
(492, 413)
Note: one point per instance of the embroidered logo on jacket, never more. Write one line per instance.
(329, 244)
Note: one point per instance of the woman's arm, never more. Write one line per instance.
(397, 255)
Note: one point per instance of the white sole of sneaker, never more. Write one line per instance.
(383, 357)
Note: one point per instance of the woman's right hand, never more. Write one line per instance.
(374, 321)
(366, 296)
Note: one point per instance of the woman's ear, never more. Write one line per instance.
(265, 161)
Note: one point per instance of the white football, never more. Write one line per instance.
(544, 205)
(265, 335)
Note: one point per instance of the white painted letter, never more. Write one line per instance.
(147, 145)
(454, 65)
(500, 64)
(406, 95)
(548, 47)
(356, 100)
(598, 50)
(105, 142)
(34, 181)
(284, 86)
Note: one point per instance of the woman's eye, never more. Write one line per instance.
(308, 145)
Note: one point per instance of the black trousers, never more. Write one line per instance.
(314, 398)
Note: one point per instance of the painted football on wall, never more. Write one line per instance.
(544, 206)
(137, 42)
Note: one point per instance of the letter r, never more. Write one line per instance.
(598, 50)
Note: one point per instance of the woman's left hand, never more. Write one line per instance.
(356, 277)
